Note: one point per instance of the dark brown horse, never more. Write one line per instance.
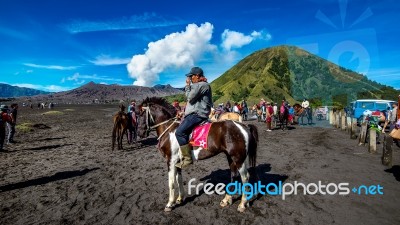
(236, 140)
(283, 116)
(120, 127)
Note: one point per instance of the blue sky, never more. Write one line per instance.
(60, 45)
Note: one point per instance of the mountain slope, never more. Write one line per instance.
(293, 74)
(7, 91)
(92, 92)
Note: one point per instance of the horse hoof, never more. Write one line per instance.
(241, 209)
(168, 209)
(225, 203)
(179, 201)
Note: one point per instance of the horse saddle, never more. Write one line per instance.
(198, 137)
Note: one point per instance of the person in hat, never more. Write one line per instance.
(11, 126)
(198, 107)
(4, 118)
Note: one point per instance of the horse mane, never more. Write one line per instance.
(159, 101)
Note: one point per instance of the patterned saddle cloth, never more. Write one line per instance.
(199, 135)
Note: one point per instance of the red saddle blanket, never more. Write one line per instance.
(200, 135)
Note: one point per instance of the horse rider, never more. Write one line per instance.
(228, 107)
(198, 107)
(219, 110)
(306, 105)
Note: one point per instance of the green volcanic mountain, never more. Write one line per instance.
(287, 72)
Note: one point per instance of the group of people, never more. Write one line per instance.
(270, 109)
(8, 118)
(237, 107)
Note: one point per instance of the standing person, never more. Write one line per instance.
(198, 107)
(132, 122)
(269, 111)
(236, 108)
(228, 107)
(11, 125)
(4, 118)
(393, 117)
(245, 109)
(291, 114)
(275, 108)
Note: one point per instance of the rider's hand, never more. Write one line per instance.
(179, 115)
(188, 80)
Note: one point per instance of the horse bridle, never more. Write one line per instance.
(150, 119)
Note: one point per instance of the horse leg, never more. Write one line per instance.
(114, 134)
(181, 191)
(228, 198)
(171, 184)
(119, 138)
(244, 174)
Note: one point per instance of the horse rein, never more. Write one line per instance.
(150, 117)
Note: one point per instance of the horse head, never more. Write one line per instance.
(297, 108)
(153, 111)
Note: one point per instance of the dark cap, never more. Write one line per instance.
(194, 71)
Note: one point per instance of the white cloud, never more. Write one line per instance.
(78, 78)
(176, 50)
(14, 34)
(106, 60)
(50, 88)
(234, 39)
(146, 20)
(51, 67)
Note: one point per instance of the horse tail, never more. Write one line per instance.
(253, 140)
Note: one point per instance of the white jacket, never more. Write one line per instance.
(305, 104)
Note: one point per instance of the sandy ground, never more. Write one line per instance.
(64, 172)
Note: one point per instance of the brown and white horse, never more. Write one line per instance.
(236, 140)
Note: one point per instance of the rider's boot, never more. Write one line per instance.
(186, 156)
